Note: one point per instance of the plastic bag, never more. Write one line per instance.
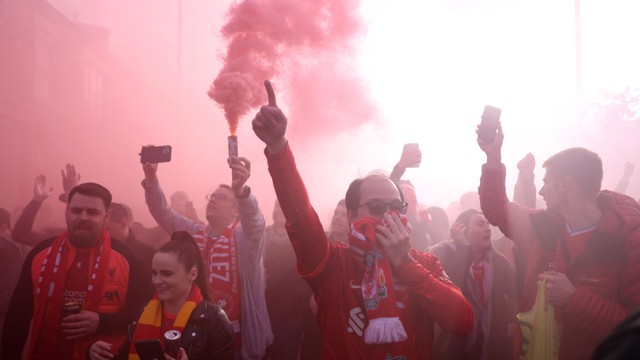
(540, 329)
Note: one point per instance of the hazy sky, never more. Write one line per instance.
(427, 68)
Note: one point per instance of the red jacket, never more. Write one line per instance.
(606, 273)
(126, 288)
(329, 269)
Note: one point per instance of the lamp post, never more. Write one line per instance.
(578, 41)
(179, 65)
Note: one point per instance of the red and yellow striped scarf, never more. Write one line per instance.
(150, 322)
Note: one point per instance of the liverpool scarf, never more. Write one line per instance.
(50, 285)
(220, 256)
(381, 297)
(150, 321)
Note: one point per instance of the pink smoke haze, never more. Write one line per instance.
(90, 82)
(309, 43)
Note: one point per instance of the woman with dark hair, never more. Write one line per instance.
(487, 280)
(182, 303)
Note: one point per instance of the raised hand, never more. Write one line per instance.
(394, 238)
(411, 156)
(150, 170)
(240, 173)
(457, 233)
(493, 148)
(71, 179)
(270, 124)
(527, 164)
(40, 191)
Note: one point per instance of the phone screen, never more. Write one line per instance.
(149, 349)
(489, 124)
(155, 154)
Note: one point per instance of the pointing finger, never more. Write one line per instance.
(270, 94)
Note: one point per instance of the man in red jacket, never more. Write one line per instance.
(377, 299)
(586, 243)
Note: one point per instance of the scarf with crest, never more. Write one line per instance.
(50, 285)
(150, 322)
(383, 300)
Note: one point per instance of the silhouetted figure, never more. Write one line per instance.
(119, 227)
(438, 227)
(23, 231)
(287, 295)
(339, 224)
(10, 264)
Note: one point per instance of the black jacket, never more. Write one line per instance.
(207, 335)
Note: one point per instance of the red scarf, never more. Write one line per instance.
(382, 299)
(150, 322)
(50, 286)
(220, 256)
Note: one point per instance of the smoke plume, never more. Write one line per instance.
(306, 44)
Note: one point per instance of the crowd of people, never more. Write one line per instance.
(390, 279)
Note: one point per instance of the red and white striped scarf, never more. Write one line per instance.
(220, 256)
(50, 286)
(383, 299)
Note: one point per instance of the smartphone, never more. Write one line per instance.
(155, 154)
(149, 349)
(413, 147)
(489, 124)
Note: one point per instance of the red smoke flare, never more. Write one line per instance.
(301, 36)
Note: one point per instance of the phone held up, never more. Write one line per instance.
(155, 154)
(412, 148)
(489, 124)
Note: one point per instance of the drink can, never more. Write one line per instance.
(70, 309)
(172, 342)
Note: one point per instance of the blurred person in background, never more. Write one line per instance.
(287, 295)
(488, 281)
(10, 263)
(119, 227)
(23, 231)
(438, 227)
(339, 229)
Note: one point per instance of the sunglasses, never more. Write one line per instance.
(379, 207)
